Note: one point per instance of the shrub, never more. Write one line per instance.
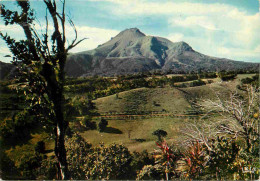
(112, 162)
(8, 170)
(197, 83)
(85, 162)
(151, 172)
(140, 159)
(40, 147)
(17, 128)
(48, 169)
(77, 153)
(102, 124)
(89, 124)
(225, 76)
(160, 134)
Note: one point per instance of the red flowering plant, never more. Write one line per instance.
(195, 160)
(167, 157)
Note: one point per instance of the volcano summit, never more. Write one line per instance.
(131, 51)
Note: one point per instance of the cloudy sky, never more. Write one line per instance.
(220, 28)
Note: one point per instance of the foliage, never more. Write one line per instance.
(227, 158)
(140, 159)
(77, 153)
(102, 125)
(206, 75)
(111, 162)
(79, 106)
(160, 134)
(89, 124)
(40, 147)
(26, 161)
(198, 82)
(223, 158)
(48, 169)
(151, 172)
(166, 158)
(41, 67)
(17, 128)
(96, 87)
(195, 161)
(102, 162)
(8, 170)
(254, 81)
(225, 76)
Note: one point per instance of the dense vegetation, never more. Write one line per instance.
(221, 158)
(96, 87)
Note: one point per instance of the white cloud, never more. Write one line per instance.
(215, 29)
(237, 53)
(150, 8)
(176, 37)
(95, 37)
(257, 49)
(201, 21)
(212, 28)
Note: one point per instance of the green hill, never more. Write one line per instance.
(144, 101)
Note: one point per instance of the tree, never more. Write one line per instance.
(240, 114)
(102, 124)
(41, 68)
(238, 124)
(160, 134)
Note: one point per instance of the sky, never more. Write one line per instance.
(221, 28)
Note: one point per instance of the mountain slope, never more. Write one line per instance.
(7, 70)
(132, 51)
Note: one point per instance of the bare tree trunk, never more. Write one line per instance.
(60, 150)
(60, 153)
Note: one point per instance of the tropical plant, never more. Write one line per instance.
(195, 161)
(167, 158)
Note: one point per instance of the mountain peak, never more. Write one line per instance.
(132, 31)
(132, 51)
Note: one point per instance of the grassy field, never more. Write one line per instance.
(172, 100)
(136, 134)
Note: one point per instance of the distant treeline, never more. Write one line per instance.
(96, 86)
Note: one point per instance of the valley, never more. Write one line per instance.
(134, 107)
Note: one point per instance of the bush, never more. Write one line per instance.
(77, 153)
(102, 125)
(151, 172)
(48, 169)
(89, 124)
(225, 76)
(197, 83)
(85, 162)
(26, 160)
(140, 159)
(40, 147)
(8, 170)
(111, 162)
(18, 128)
(160, 134)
